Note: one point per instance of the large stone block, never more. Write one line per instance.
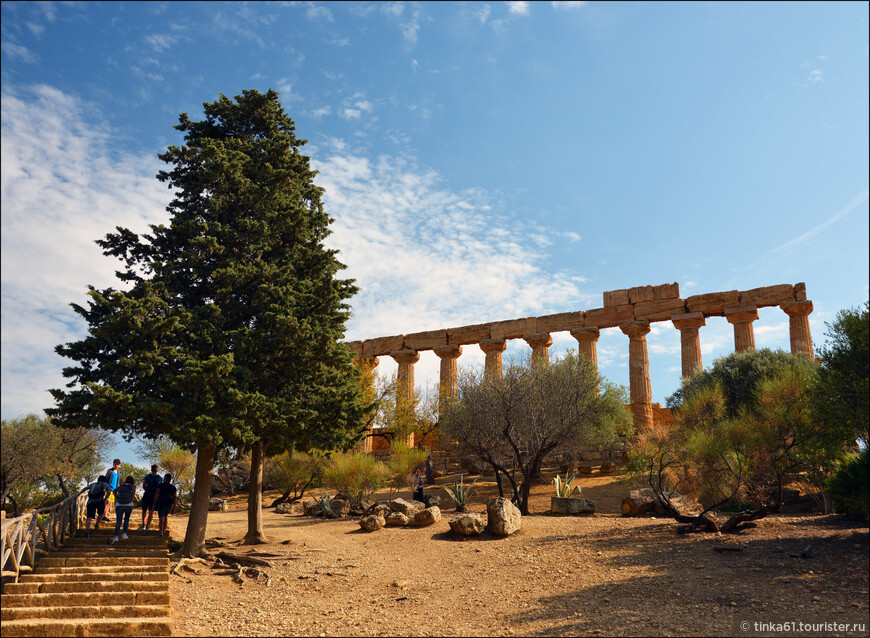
(640, 294)
(560, 322)
(382, 346)
(800, 291)
(503, 517)
(463, 335)
(426, 340)
(713, 303)
(513, 328)
(616, 297)
(356, 347)
(571, 505)
(767, 295)
(658, 310)
(609, 317)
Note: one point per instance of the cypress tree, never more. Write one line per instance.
(229, 330)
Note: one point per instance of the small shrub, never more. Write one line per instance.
(850, 486)
(355, 474)
(292, 474)
(565, 487)
(402, 462)
(460, 494)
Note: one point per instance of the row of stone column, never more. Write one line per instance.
(638, 359)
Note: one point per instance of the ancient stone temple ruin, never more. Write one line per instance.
(630, 310)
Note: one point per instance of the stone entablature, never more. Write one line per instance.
(643, 303)
(629, 309)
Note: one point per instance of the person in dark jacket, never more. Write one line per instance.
(164, 502)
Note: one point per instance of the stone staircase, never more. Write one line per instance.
(90, 588)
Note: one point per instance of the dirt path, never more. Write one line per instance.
(602, 574)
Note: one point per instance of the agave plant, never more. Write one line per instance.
(565, 487)
(325, 504)
(461, 493)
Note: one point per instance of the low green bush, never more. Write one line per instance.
(357, 475)
(850, 486)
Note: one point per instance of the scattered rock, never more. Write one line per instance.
(310, 507)
(607, 468)
(639, 502)
(396, 519)
(432, 500)
(339, 506)
(284, 508)
(408, 508)
(372, 523)
(571, 505)
(216, 504)
(584, 469)
(467, 524)
(503, 516)
(428, 516)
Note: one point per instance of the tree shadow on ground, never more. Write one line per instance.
(677, 582)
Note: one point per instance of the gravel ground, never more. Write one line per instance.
(559, 575)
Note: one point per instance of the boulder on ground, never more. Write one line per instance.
(381, 509)
(428, 516)
(408, 508)
(467, 524)
(607, 467)
(584, 469)
(503, 516)
(432, 500)
(372, 523)
(339, 507)
(639, 502)
(396, 519)
(310, 507)
(571, 505)
(217, 505)
(284, 508)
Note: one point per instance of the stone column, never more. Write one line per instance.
(742, 317)
(540, 344)
(492, 348)
(638, 366)
(587, 340)
(448, 387)
(405, 385)
(690, 342)
(799, 326)
(367, 366)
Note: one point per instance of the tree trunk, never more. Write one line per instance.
(194, 537)
(63, 487)
(15, 511)
(255, 535)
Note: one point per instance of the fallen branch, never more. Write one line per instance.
(186, 564)
(728, 548)
(244, 560)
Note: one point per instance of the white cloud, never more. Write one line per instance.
(319, 12)
(481, 12)
(567, 4)
(24, 54)
(338, 42)
(160, 41)
(518, 7)
(815, 76)
(318, 113)
(572, 236)
(62, 188)
(364, 105)
(351, 114)
(36, 29)
(394, 9)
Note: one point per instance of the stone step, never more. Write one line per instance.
(87, 599)
(102, 541)
(86, 586)
(111, 552)
(108, 529)
(102, 569)
(88, 627)
(55, 560)
(75, 576)
(143, 611)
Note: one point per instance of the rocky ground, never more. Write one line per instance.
(559, 575)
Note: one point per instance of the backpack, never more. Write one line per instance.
(124, 494)
(152, 482)
(96, 492)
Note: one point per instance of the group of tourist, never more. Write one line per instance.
(107, 495)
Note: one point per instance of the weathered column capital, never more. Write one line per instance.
(541, 340)
(797, 308)
(589, 333)
(689, 320)
(368, 363)
(492, 345)
(448, 351)
(405, 356)
(741, 314)
(635, 329)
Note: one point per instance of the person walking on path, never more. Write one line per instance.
(418, 485)
(149, 488)
(113, 475)
(164, 502)
(96, 506)
(124, 495)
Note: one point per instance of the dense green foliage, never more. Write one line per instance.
(40, 461)
(228, 333)
(533, 410)
(356, 475)
(842, 395)
(850, 485)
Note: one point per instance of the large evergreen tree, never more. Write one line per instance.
(229, 331)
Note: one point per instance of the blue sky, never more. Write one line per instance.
(483, 161)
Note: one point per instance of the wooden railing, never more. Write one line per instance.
(39, 532)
